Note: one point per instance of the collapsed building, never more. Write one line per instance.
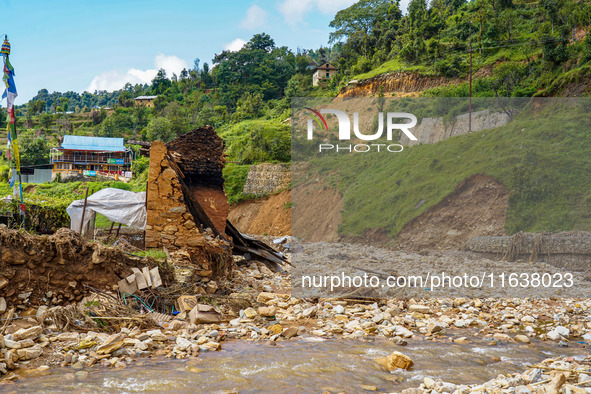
(187, 213)
(177, 220)
(188, 208)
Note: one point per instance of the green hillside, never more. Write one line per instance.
(519, 48)
(542, 158)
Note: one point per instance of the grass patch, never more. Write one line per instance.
(64, 193)
(394, 65)
(156, 254)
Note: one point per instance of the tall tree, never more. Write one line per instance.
(360, 17)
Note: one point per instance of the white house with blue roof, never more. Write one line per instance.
(92, 156)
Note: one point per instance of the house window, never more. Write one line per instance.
(63, 166)
(327, 74)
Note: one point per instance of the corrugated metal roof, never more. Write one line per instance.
(146, 97)
(78, 142)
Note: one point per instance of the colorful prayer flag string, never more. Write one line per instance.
(10, 94)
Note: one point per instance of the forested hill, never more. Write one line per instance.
(520, 48)
(528, 45)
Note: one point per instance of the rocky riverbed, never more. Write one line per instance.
(262, 309)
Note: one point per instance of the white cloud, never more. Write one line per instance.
(114, 80)
(171, 64)
(235, 45)
(294, 10)
(255, 18)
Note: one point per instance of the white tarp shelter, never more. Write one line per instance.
(119, 206)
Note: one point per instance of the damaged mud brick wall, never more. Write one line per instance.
(56, 269)
(170, 225)
(267, 178)
(200, 156)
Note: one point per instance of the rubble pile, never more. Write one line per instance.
(58, 269)
(171, 225)
(200, 157)
(257, 306)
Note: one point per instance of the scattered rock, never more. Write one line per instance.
(250, 313)
(68, 336)
(276, 329)
(27, 333)
(204, 314)
(111, 344)
(157, 335)
(419, 308)
(290, 332)
(183, 343)
(395, 361)
(429, 383)
(265, 297)
(9, 343)
(29, 353)
(266, 311)
(309, 312)
(522, 338)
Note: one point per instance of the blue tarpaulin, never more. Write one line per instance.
(78, 142)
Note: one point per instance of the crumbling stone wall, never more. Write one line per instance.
(570, 250)
(267, 178)
(574, 242)
(170, 225)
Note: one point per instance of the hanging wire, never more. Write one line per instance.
(139, 299)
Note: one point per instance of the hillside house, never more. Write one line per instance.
(145, 101)
(323, 73)
(92, 156)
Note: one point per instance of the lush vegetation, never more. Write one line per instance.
(235, 178)
(523, 46)
(519, 48)
(257, 141)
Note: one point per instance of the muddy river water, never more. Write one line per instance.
(303, 366)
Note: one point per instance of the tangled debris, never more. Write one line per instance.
(60, 269)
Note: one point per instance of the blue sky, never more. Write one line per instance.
(83, 45)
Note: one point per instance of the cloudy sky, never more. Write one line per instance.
(80, 45)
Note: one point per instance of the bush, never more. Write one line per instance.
(363, 65)
(4, 173)
(234, 181)
(451, 67)
(258, 141)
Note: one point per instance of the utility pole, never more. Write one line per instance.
(470, 99)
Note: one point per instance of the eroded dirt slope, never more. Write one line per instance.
(476, 207)
(270, 215)
(316, 212)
